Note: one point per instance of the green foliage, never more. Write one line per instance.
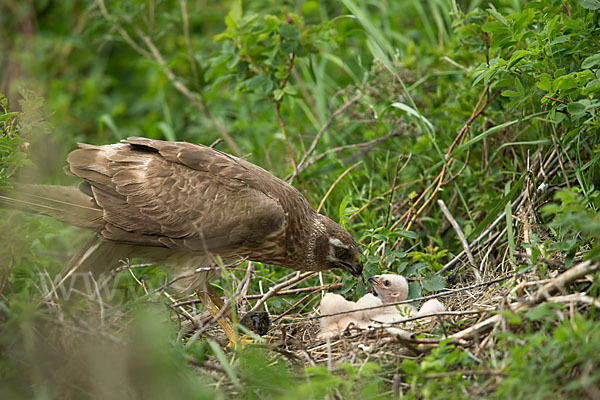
(260, 50)
(503, 89)
(350, 382)
(439, 374)
(14, 128)
(575, 219)
(563, 358)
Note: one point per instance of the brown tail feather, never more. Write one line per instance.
(65, 203)
(73, 206)
(94, 258)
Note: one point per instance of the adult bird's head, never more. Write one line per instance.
(334, 247)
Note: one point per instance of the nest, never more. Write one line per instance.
(474, 313)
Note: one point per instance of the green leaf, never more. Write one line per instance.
(504, 82)
(592, 86)
(544, 83)
(292, 91)
(517, 56)
(414, 290)
(546, 310)
(401, 267)
(278, 94)
(227, 367)
(565, 83)
(493, 27)
(497, 16)
(576, 109)
(289, 46)
(234, 16)
(8, 115)
(257, 82)
(591, 61)
(433, 282)
(411, 111)
(406, 234)
(288, 31)
(590, 4)
(561, 39)
(348, 283)
(106, 119)
(509, 93)
(409, 366)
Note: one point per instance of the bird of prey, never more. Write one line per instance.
(184, 205)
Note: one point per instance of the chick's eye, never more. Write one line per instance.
(386, 283)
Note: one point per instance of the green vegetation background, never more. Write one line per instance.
(460, 101)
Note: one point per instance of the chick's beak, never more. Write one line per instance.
(375, 282)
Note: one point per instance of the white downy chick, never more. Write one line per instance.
(393, 288)
(366, 316)
(368, 300)
(390, 288)
(431, 307)
(335, 324)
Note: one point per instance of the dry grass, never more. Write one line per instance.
(475, 315)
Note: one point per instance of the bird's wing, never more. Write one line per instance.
(150, 195)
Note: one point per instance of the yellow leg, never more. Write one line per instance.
(217, 301)
(213, 304)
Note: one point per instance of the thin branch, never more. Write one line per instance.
(279, 293)
(576, 298)
(542, 294)
(380, 196)
(434, 187)
(122, 31)
(335, 183)
(286, 142)
(286, 312)
(549, 163)
(464, 373)
(299, 278)
(188, 42)
(339, 149)
(331, 286)
(155, 55)
(557, 100)
(397, 172)
(313, 145)
(10, 267)
(196, 271)
(485, 233)
(462, 238)
(441, 313)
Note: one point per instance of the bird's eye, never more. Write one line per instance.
(386, 283)
(341, 252)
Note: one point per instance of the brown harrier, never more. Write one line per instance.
(182, 204)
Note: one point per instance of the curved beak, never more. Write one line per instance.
(374, 281)
(354, 269)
